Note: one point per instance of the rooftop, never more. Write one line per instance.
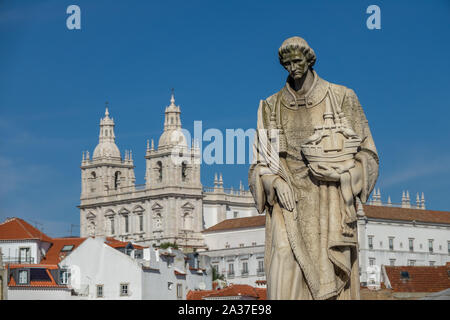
(239, 223)
(234, 290)
(418, 278)
(407, 214)
(18, 229)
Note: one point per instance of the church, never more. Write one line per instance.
(172, 205)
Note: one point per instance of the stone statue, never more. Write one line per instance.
(314, 160)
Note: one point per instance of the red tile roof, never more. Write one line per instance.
(421, 279)
(114, 243)
(376, 212)
(54, 254)
(233, 290)
(18, 229)
(406, 214)
(33, 284)
(238, 223)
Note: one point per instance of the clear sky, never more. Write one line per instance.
(221, 58)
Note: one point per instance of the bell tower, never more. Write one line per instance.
(106, 171)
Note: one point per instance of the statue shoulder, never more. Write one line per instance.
(343, 93)
(269, 103)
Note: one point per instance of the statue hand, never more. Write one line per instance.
(324, 172)
(284, 194)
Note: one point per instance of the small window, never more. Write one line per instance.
(67, 248)
(404, 274)
(391, 243)
(170, 285)
(253, 243)
(126, 218)
(64, 276)
(370, 240)
(432, 263)
(111, 223)
(245, 268)
(241, 245)
(448, 247)
(23, 276)
(411, 263)
(124, 290)
(261, 265)
(430, 245)
(179, 291)
(141, 222)
(231, 269)
(235, 214)
(371, 261)
(411, 244)
(100, 291)
(392, 262)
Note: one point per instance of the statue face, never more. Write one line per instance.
(295, 63)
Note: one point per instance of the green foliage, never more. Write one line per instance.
(216, 275)
(166, 245)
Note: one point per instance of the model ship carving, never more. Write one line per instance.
(334, 141)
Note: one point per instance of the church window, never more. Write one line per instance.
(141, 222)
(126, 219)
(183, 171)
(159, 168)
(116, 180)
(111, 221)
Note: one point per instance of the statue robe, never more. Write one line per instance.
(306, 254)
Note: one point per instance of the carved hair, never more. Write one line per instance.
(297, 43)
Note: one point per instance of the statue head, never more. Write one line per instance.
(296, 56)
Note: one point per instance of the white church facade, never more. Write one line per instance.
(172, 206)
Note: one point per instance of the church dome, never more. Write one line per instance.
(172, 138)
(173, 134)
(106, 149)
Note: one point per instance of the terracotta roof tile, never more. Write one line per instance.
(114, 243)
(406, 214)
(233, 290)
(238, 223)
(54, 255)
(421, 279)
(18, 229)
(33, 284)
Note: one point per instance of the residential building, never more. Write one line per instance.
(36, 282)
(236, 248)
(20, 242)
(157, 274)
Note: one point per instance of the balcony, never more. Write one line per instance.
(260, 272)
(230, 274)
(18, 260)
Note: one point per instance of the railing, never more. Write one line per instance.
(230, 191)
(18, 260)
(260, 272)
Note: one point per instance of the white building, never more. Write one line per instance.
(236, 248)
(387, 235)
(397, 236)
(157, 274)
(20, 242)
(172, 206)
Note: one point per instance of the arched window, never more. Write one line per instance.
(159, 169)
(183, 171)
(93, 175)
(116, 180)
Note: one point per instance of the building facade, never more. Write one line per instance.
(172, 205)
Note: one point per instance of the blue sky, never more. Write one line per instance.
(221, 58)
